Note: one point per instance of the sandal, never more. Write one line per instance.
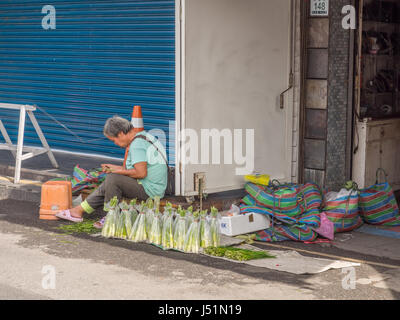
(99, 224)
(66, 215)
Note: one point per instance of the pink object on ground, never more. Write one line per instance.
(326, 228)
(66, 215)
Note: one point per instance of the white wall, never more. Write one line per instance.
(237, 62)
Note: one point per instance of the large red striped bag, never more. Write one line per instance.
(342, 209)
(378, 205)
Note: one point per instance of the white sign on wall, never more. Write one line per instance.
(319, 8)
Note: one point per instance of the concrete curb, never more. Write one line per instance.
(31, 180)
(36, 175)
(30, 187)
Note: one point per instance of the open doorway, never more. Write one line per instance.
(377, 98)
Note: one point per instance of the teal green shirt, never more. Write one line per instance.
(140, 150)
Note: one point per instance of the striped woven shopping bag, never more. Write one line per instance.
(378, 205)
(343, 211)
(294, 210)
(86, 179)
(284, 200)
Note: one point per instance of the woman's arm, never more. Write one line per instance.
(138, 172)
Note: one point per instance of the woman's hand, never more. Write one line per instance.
(139, 171)
(109, 168)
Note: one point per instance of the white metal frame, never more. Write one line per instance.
(19, 148)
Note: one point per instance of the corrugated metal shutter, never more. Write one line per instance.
(103, 58)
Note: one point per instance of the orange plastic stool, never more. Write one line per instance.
(56, 196)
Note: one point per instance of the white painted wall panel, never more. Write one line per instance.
(237, 62)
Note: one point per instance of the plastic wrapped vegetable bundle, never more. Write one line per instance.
(130, 218)
(180, 230)
(121, 231)
(167, 211)
(189, 217)
(149, 210)
(205, 231)
(133, 205)
(157, 201)
(192, 240)
(139, 231)
(155, 235)
(168, 230)
(176, 216)
(109, 226)
(214, 226)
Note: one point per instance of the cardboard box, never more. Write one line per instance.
(244, 223)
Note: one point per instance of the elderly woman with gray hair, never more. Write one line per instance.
(144, 176)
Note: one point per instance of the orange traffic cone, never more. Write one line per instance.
(137, 119)
(137, 122)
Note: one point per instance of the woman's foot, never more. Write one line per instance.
(99, 224)
(66, 215)
(77, 212)
(74, 214)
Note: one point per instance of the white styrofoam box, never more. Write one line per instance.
(244, 223)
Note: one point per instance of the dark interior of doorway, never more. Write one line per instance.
(379, 42)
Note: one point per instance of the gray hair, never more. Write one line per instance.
(115, 125)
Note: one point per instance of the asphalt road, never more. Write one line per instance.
(39, 261)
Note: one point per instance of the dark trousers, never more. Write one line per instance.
(116, 185)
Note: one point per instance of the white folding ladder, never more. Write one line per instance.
(19, 148)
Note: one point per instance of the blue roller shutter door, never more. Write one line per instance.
(102, 58)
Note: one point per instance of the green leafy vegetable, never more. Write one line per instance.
(85, 226)
(237, 253)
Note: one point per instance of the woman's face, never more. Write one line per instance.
(121, 140)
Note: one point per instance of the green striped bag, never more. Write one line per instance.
(378, 205)
(286, 200)
(86, 179)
